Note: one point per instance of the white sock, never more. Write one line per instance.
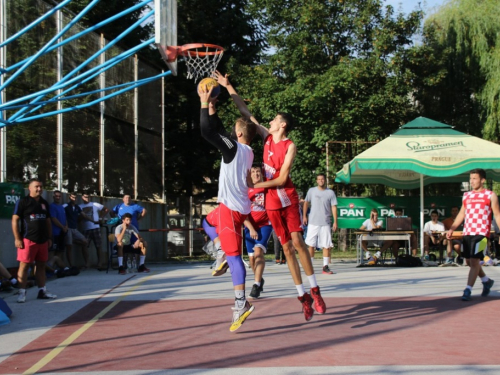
(484, 279)
(42, 288)
(257, 283)
(239, 300)
(312, 281)
(468, 287)
(22, 291)
(300, 289)
(218, 246)
(120, 261)
(142, 258)
(326, 261)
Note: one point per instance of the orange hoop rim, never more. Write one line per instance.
(186, 49)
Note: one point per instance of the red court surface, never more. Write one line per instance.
(188, 334)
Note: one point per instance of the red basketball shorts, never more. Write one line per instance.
(285, 221)
(229, 229)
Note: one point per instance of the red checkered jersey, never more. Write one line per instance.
(274, 157)
(477, 213)
(258, 215)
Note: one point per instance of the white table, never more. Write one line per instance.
(379, 236)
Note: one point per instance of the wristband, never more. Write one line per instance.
(204, 103)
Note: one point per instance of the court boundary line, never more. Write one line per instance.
(75, 335)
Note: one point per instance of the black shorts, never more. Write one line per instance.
(59, 243)
(473, 246)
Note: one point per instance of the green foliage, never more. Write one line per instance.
(340, 68)
(462, 45)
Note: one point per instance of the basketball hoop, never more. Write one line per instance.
(201, 59)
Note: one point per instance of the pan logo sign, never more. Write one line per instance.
(352, 211)
(433, 146)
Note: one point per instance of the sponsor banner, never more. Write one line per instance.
(10, 193)
(352, 212)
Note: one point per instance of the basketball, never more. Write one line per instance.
(208, 83)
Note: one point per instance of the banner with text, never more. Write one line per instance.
(10, 193)
(352, 212)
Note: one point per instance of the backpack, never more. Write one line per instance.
(405, 260)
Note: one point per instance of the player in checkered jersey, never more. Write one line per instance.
(477, 207)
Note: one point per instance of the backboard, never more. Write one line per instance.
(166, 30)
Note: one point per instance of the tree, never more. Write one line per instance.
(458, 66)
(338, 67)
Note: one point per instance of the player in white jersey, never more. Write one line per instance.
(477, 207)
(234, 204)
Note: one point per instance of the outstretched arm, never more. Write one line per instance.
(240, 103)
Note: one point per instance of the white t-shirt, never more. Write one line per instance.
(91, 210)
(430, 227)
(368, 224)
(131, 230)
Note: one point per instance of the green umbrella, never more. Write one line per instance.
(422, 152)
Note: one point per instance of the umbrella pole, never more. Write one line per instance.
(421, 215)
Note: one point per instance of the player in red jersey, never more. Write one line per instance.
(257, 232)
(282, 201)
(477, 207)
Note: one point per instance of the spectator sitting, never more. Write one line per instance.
(7, 281)
(373, 223)
(73, 214)
(454, 244)
(128, 241)
(433, 233)
(398, 212)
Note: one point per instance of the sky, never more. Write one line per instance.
(409, 5)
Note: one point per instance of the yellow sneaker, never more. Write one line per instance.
(221, 265)
(240, 315)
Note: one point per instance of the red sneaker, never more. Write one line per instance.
(307, 309)
(319, 304)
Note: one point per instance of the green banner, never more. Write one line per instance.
(352, 212)
(10, 193)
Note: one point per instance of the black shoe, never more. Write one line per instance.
(261, 287)
(255, 293)
(60, 273)
(143, 268)
(42, 294)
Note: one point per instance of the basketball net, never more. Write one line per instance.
(201, 59)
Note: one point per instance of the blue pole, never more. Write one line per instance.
(86, 62)
(84, 32)
(81, 106)
(49, 43)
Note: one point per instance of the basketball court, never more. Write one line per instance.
(379, 320)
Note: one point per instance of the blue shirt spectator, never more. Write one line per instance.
(137, 212)
(73, 211)
(57, 212)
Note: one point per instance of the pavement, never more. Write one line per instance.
(175, 320)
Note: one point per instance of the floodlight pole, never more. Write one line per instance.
(163, 195)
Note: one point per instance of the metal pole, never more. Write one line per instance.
(327, 164)
(163, 195)
(102, 133)
(136, 128)
(3, 58)
(191, 226)
(421, 215)
(60, 122)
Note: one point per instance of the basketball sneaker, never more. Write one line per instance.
(255, 293)
(261, 287)
(327, 270)
(319, 304)
(240, 315)
(487, 287)
(307, 309)
(221, 264)
(121, 270)
(467, 295)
